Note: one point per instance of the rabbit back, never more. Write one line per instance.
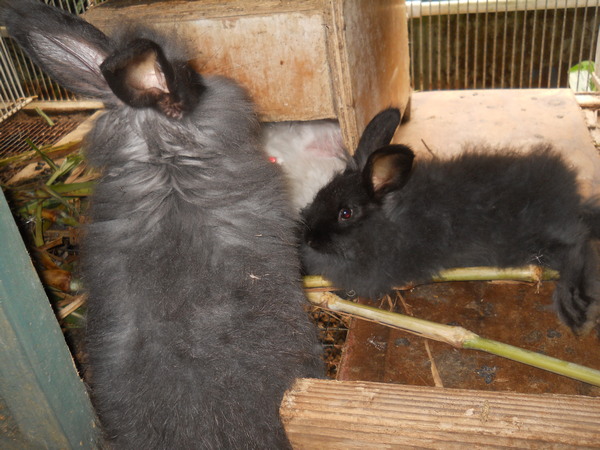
(309, 153)
(195, 309)
(519, 207)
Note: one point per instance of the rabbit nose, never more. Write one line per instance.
(309, 238)
(312, 240)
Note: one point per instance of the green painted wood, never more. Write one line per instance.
(39, 385)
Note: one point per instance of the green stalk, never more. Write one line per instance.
(456, 336)
(68, 164)
(72, 189)
(59, 198)
(44, 116)
(531, 273)
(534, 359)
(43, 155)
(30, 154)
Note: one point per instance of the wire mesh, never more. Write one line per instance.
(15, 132)
(469, 44)
(17, 70)
(12, 97)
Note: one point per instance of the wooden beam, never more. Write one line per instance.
(357, 415)
(43, 402)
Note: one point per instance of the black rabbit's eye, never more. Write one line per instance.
(345, 214)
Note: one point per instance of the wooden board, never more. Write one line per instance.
(305, 60)
(321, 414)
(519, 314)
(43, 402)
(444, 121)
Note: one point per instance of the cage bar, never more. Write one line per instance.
(476, 44)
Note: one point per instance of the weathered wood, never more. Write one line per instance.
(64, 105)
(374, 35)
(304, 60)
(442, 122)
(356, 415)
(42, 397)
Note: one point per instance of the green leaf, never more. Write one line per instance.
(48, 120)
(42, 154)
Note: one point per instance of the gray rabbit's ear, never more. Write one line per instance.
(378, 133)
(142, 77)
(66, 47)
(387, 169)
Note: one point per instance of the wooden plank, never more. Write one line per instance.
(276, 50)
(376, 42)
(281, 59)
(518, 314)
(356, 415)
(442, 122)
(185, 10)
(39, 385)
(305, 60)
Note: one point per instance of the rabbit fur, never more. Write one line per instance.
(309, 153)
(195, 326)
(385, 222)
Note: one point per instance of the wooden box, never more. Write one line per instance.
(300, 60)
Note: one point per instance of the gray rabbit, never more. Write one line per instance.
(384, 222)
(196, 324)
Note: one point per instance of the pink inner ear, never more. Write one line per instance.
(377, 182)
(145, 74)
(382, 171)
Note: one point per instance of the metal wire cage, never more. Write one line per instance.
(479, 44)
(21, 80)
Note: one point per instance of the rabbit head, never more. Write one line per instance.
(334, 234)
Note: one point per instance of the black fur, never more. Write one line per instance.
(384, 223)
(196, 324)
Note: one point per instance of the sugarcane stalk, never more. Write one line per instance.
(531, 273)
(534, 359)
(452, 335)
(456, 336)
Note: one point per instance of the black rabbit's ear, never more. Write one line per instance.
(378, 133)
(388, 169)
(66, 47)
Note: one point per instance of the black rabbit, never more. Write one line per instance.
(196, 324)
(384, 222)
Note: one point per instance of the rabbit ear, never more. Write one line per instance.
(141, 76)
(388, 169)
(378, 133)
(66, 47)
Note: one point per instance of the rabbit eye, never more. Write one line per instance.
(345, 214)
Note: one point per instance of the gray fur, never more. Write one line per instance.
(195, 323)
